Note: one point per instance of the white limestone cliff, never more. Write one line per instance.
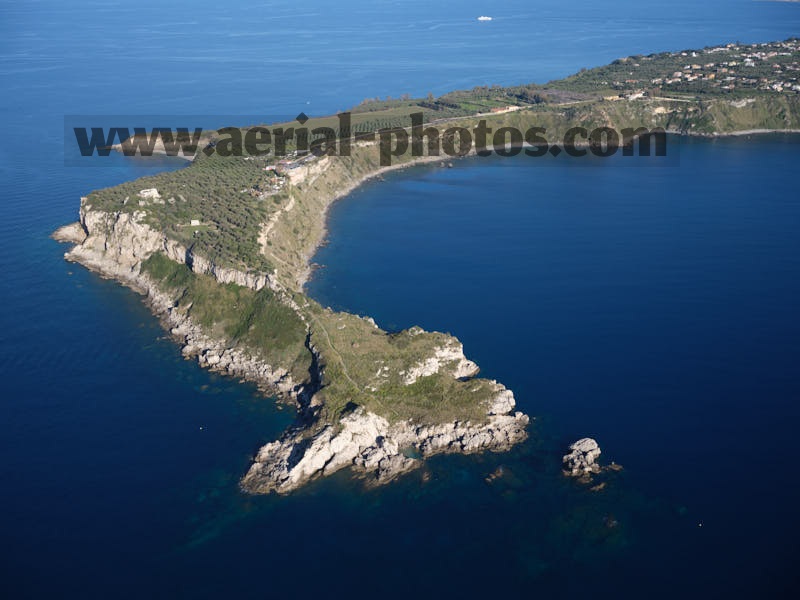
(449, 358)
(380, 450)
(126, 239)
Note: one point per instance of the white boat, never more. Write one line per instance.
(482, 18)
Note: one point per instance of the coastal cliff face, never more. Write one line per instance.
(121, 264)
(379, 450)
(124, 240)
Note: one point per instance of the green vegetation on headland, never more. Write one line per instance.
(238, 314)
(266, 215)
(361, 365)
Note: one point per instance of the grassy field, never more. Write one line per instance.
(365, 365)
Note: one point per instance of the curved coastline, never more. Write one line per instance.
(351, 444)
(346, 191)
(364, 397)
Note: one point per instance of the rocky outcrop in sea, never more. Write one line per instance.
(582, 458)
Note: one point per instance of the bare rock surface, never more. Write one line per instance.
(378, 449)
(582, 458)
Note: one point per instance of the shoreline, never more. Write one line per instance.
(342, 194)
(742, 132)
(192, 339)
(307, 273)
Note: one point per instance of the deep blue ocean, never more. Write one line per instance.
(652, 308)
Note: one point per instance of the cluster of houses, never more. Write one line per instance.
(769, 67)
(635, 95)
(284, 171)
(292, 161)
(295, 168)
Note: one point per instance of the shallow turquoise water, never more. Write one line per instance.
(651, 308)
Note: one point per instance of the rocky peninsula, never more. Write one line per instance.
(221, 250)
(378, 441)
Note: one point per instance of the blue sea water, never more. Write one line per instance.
(652, 308)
